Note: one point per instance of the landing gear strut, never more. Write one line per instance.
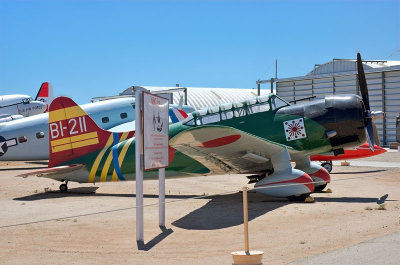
(64, 186)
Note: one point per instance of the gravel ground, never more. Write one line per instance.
(39, 225)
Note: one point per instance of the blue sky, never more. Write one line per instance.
(96, 48)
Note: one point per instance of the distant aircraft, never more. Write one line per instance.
(353, 153)
(17, 106)
(28, 138)
(45, 94)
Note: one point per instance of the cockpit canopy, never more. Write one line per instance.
(237, 109)
(27, 100)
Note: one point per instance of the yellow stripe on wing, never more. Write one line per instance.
(96, 163)
(121, 157)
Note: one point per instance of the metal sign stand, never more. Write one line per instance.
(146, 159)
(138, 166)
(161, 197)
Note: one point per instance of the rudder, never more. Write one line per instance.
(72, 132)
(45, 94)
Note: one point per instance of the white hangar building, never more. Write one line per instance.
(198, 97)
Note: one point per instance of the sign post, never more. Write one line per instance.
(155, 142)
(161, 197)
(138, 166)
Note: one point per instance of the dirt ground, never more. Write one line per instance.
(40, 225)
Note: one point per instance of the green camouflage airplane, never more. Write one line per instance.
(259, 137)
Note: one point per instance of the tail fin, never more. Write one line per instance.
(45, 94)
(177, 115)
(72, 133)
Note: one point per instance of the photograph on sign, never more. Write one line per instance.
(155, 131)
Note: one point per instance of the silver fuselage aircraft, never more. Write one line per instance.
(28, 138)
(17, 106)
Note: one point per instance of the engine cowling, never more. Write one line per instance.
(286, 184)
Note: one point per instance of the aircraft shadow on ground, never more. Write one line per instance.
(380, 200)
(227, 210)
(90, 191)
(359, 172)
(224, 211)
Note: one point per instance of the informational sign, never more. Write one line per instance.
(155, 131)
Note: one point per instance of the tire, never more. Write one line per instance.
(328, 166)
(299, 198)
(320, 187)
(63, 187)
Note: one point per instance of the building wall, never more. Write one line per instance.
(383, 87)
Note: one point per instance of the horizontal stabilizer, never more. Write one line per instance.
(57, 173)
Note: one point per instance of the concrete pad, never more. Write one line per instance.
(382, 250)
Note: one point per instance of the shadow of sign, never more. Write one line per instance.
(160, 237)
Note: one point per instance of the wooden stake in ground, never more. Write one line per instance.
(246, 256)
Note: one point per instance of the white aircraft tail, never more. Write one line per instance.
(45, 94)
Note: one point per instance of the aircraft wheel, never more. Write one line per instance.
(328, 166)
(63, 187)
(320, 188)
(299, 198)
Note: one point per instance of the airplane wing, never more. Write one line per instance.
(57, 173)
(226, 150)
(8, 117)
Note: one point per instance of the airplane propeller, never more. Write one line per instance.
(364, 94)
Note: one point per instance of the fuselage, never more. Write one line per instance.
(262, 118)
(20, 105)
(28, 138)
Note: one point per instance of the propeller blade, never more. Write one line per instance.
(370, 135)
(362, 82)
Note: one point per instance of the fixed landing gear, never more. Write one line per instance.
(301, 198)
(255, 178)
(327, 165)
(320, 188)
(64, 186)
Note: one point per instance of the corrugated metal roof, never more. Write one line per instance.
(201, 97)
(345, 65)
